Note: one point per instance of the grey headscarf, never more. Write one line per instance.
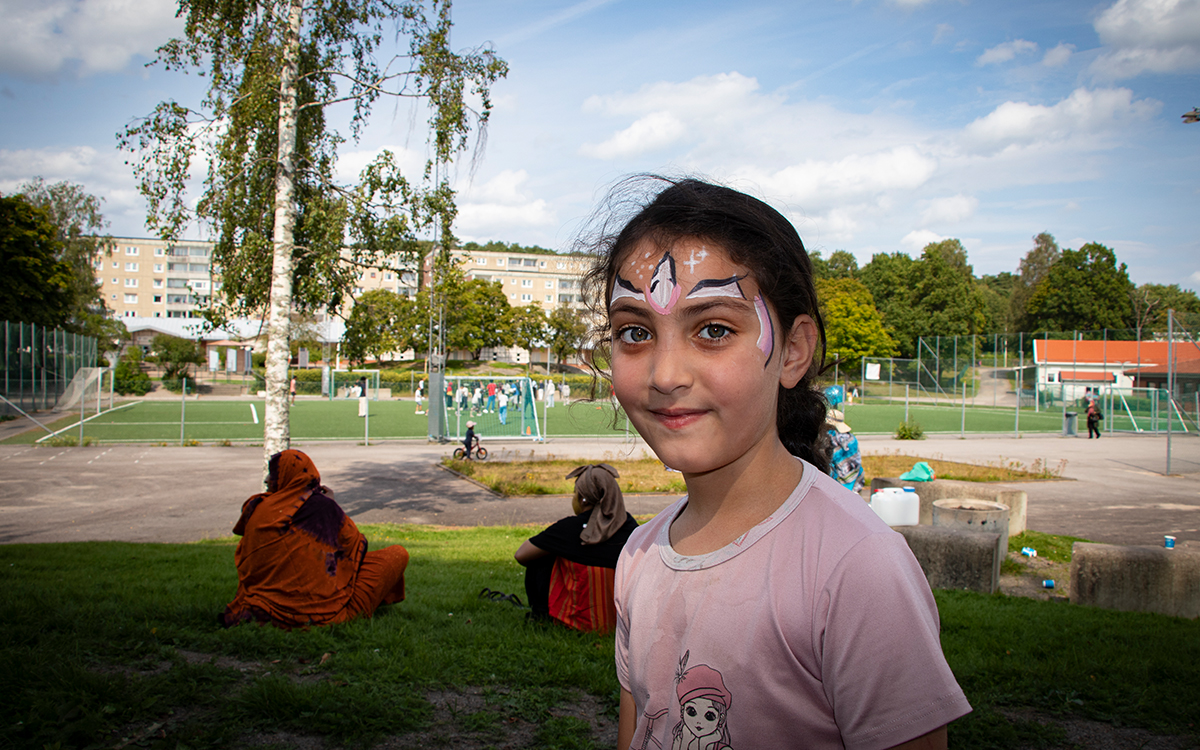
(596, 485)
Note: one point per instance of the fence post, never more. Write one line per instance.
(82, 411)
(906, 402)
(1020, 380)
(1170, 372)
(963, 427)
(182, 408)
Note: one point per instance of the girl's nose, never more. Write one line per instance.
(671, 368)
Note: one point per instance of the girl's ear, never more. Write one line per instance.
(798, 350)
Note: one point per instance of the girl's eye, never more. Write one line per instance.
(714, 331)
(633, 335)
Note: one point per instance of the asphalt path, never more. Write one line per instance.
(1114, 490)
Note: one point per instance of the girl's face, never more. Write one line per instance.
(701, 716)
(698, 355)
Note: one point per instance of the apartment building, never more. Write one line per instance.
(148, 278)
(549, 280)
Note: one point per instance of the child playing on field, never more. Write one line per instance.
(769, 607)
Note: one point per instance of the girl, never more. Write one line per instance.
(769, 573)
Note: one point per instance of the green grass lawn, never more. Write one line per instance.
(105, 642)
(311, 419)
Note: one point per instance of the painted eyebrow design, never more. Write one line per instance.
(718, 288)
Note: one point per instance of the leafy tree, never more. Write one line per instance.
(474, 313)
(280, 220)
(382, 322)
(1085, 290)
(568, 329)
(853, 327)
(128, 377)
(820, 265)
(1033, 270)
(175, 355)
(842, 265)
(947, 291)
(529, 327)
(1156, 299)
(77, 222)
(891, 279)
(35, 285)
(997, 299)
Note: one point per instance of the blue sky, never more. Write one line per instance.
(876, 126)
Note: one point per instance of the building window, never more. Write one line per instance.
(510, 296)
(158, 252)
(158, 267)
(527, 283)
(177, 283)
(157, 314)
(131, 313)
(560, 264)
(158, 299)
(131, 282)
(115, 281)
(372, 274)
(116, 264)
(481, 261)
(550, 284)
(564, 298)
(514, 261)
(131, 266)
(541, 264)
(499, 261)
(158, 283)
(526, 297)
(549, 297)
(114, 296)
(131, 299)
(131, 251)
(531, 262)
(387, 277)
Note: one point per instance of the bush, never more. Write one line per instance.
(128, 378)
(909, 431)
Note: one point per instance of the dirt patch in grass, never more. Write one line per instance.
(1024, 576)
(1096, 735)
(1002, 470)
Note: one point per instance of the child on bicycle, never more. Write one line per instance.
(769, 607)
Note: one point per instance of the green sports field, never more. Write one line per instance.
(210, 421)
(241, 421)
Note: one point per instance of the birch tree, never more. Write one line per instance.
(287, 238)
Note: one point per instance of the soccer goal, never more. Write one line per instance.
(346, 384)
(499, 406)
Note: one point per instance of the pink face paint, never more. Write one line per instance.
(663, 292)
(766, 329)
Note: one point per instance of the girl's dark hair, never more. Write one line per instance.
(756, 236)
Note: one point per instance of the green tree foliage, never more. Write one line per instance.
(568, 330)
(997, 299)
(382, 322)
(502, 247)
(891, 279)
(1156, 299)
(529, 327)
(842, 265)
(936, 295)
(175, 355)
(1033, 270)
(35, 285)
(853, 327)
(128, 377)
(273, 68)
(78, 222)
(1085, 290)
(474, 314)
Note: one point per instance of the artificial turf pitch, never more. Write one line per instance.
(241, 421)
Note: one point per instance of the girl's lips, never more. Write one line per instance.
(677, 418)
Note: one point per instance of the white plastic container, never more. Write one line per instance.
(897, 507)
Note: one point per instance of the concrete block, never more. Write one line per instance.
(944, 489)
(1136, 579)
(955, 559)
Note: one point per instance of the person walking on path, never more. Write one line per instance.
(292, 389)
(503, 401)
(1093, 418)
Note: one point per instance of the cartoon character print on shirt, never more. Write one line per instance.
(662, 291)
(703, 711)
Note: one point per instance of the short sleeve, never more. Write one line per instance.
(622, 634)
(876, 629)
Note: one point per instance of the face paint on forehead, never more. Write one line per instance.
(661, 293)
(718, 288)
(766, 329)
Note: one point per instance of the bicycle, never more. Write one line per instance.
(477, 451)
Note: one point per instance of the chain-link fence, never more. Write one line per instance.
(39, 364)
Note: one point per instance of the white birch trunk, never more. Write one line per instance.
(276, 428)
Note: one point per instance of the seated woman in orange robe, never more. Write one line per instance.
(301, 560)
(569, 566)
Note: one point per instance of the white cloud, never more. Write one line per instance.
(44, 37)
(1148, 36)
(917, 239)
(492, 210)
(858, 176)
(650, 133)
(1059, 56)
(1084, 112)
(950, 210)
(350, 164)
(942, 32)
(1006, 51)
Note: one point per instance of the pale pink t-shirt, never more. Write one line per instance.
(815, 629)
